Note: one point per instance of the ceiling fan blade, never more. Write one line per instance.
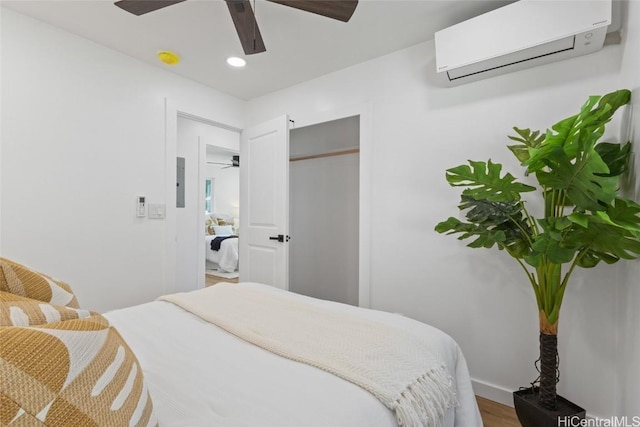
(246, 26)
(342, 10)
(140, 7)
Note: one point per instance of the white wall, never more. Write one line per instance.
(629, 279)
(188, 231)
(84, 133)
(1, 9)
(226, 186)
(479, 297)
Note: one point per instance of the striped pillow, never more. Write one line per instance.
(21, 311)
(20, 280)
(76, 372)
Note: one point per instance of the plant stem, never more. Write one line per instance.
(548, 370)
(532, 223)
(565, 280)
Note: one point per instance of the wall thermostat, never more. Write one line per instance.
(141, 206)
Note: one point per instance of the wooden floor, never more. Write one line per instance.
(493, 414)
(212, 280)
(496, 415)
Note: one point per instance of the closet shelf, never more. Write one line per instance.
(341, 152)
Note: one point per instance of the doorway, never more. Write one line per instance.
(324, 210)
(222, 210)
(194, 139)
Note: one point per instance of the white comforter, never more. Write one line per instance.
(200, 376)
(226, 257)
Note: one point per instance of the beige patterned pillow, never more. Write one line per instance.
(209, 224)
(20, 280)
(21, 311)
(72, 373)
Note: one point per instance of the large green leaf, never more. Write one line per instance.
(615, 156)
(621, 213)
(484, 237)
(491, 223)
(578, 134)
(483, 181)
(604, 242)
(489, 213)
(527, 140)
(624, 214)
(607, 235)
(584, 181)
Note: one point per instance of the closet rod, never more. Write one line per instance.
(329, 154)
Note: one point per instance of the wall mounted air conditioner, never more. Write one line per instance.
(520, 35)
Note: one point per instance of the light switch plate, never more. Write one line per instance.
(156, 211)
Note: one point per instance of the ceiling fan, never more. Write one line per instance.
(244, 18)
(235, 163)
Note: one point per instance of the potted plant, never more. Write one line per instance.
(585, 221)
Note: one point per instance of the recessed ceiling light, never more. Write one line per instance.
(168, 58)
(234, 61)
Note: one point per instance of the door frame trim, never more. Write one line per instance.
(364, 111)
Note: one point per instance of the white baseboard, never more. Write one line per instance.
(493, 392)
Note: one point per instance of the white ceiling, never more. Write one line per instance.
(300, 45)
(219, 154)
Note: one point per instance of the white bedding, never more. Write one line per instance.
(226, 257)
(199, 375)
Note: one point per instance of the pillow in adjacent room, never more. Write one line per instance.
(20, 280)
(209, 224)
(223, 230)
(71, 373)
(16, 310)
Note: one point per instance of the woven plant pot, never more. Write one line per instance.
(532, 414)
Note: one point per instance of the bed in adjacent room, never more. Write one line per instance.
(221, 244)
(225, 257)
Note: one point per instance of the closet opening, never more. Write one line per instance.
(324, 200)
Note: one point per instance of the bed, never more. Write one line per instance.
(214, 357)
(226, 258)
(211, 377)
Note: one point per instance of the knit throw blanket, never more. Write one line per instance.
(396, 366)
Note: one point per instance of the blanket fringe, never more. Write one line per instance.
(425, 402)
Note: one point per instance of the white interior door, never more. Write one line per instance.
(264, 203)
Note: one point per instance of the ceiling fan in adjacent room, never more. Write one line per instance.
(244, 18)
(235, 163)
